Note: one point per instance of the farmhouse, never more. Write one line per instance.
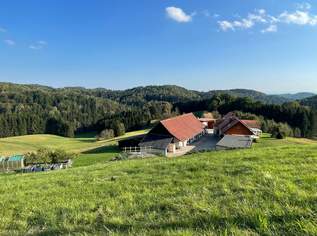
(181, 134)
(173, 134)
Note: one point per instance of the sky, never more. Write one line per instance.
(266, 45)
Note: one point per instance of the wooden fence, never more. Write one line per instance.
(137, 149)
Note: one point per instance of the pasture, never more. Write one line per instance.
(270, 189)
(27, 143)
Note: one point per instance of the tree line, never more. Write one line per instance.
(300, 118)
(27, 109)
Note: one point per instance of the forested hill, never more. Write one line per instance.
(311, 101)
(34, 109)
(258, 96)
(297, 96)
(169, 93)
(140, 95)
(172, 93)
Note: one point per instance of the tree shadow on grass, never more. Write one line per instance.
(103, 149)
(248, 223)
(210, 222)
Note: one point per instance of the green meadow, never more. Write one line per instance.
(23, 144)
(270, 189)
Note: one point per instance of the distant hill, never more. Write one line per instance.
(297, 96)
(139, 95)
(168, 93)
(173, 94)
(256, 95)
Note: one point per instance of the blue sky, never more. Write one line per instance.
(267, 45)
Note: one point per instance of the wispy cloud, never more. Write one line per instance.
(301, 16)
(178, 14)
(38, 45)
(270, 29)
(258, 16)
(206, 13)
(303, 6)
(9, 42)
(226, 25)
(215, 15)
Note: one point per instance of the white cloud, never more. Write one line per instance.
(298, 18)
(270, 29)
(9, 42)
(225, 25)
(258, 16)
(178, 14)
(38, 45)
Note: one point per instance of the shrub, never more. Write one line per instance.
(297, 133)
(105, 134)
(118, 128)
(281, 131)
(47, 156)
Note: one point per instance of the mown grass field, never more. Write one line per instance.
(270, 189)
(90, 151)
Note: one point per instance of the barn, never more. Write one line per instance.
(231, 125)
(174, 133)
(234, 126)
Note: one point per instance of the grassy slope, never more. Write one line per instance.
(270, 189)
(90, 151)
(23, 144)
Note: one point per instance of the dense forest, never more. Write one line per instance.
(34, 109)
(293, 113)
(311, 101)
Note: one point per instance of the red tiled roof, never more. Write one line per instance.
(183, 127)
(252, 123)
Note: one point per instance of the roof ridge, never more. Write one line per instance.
(177, 117)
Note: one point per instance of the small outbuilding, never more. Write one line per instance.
(11, 163)
(208, 123)
(15, 162)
